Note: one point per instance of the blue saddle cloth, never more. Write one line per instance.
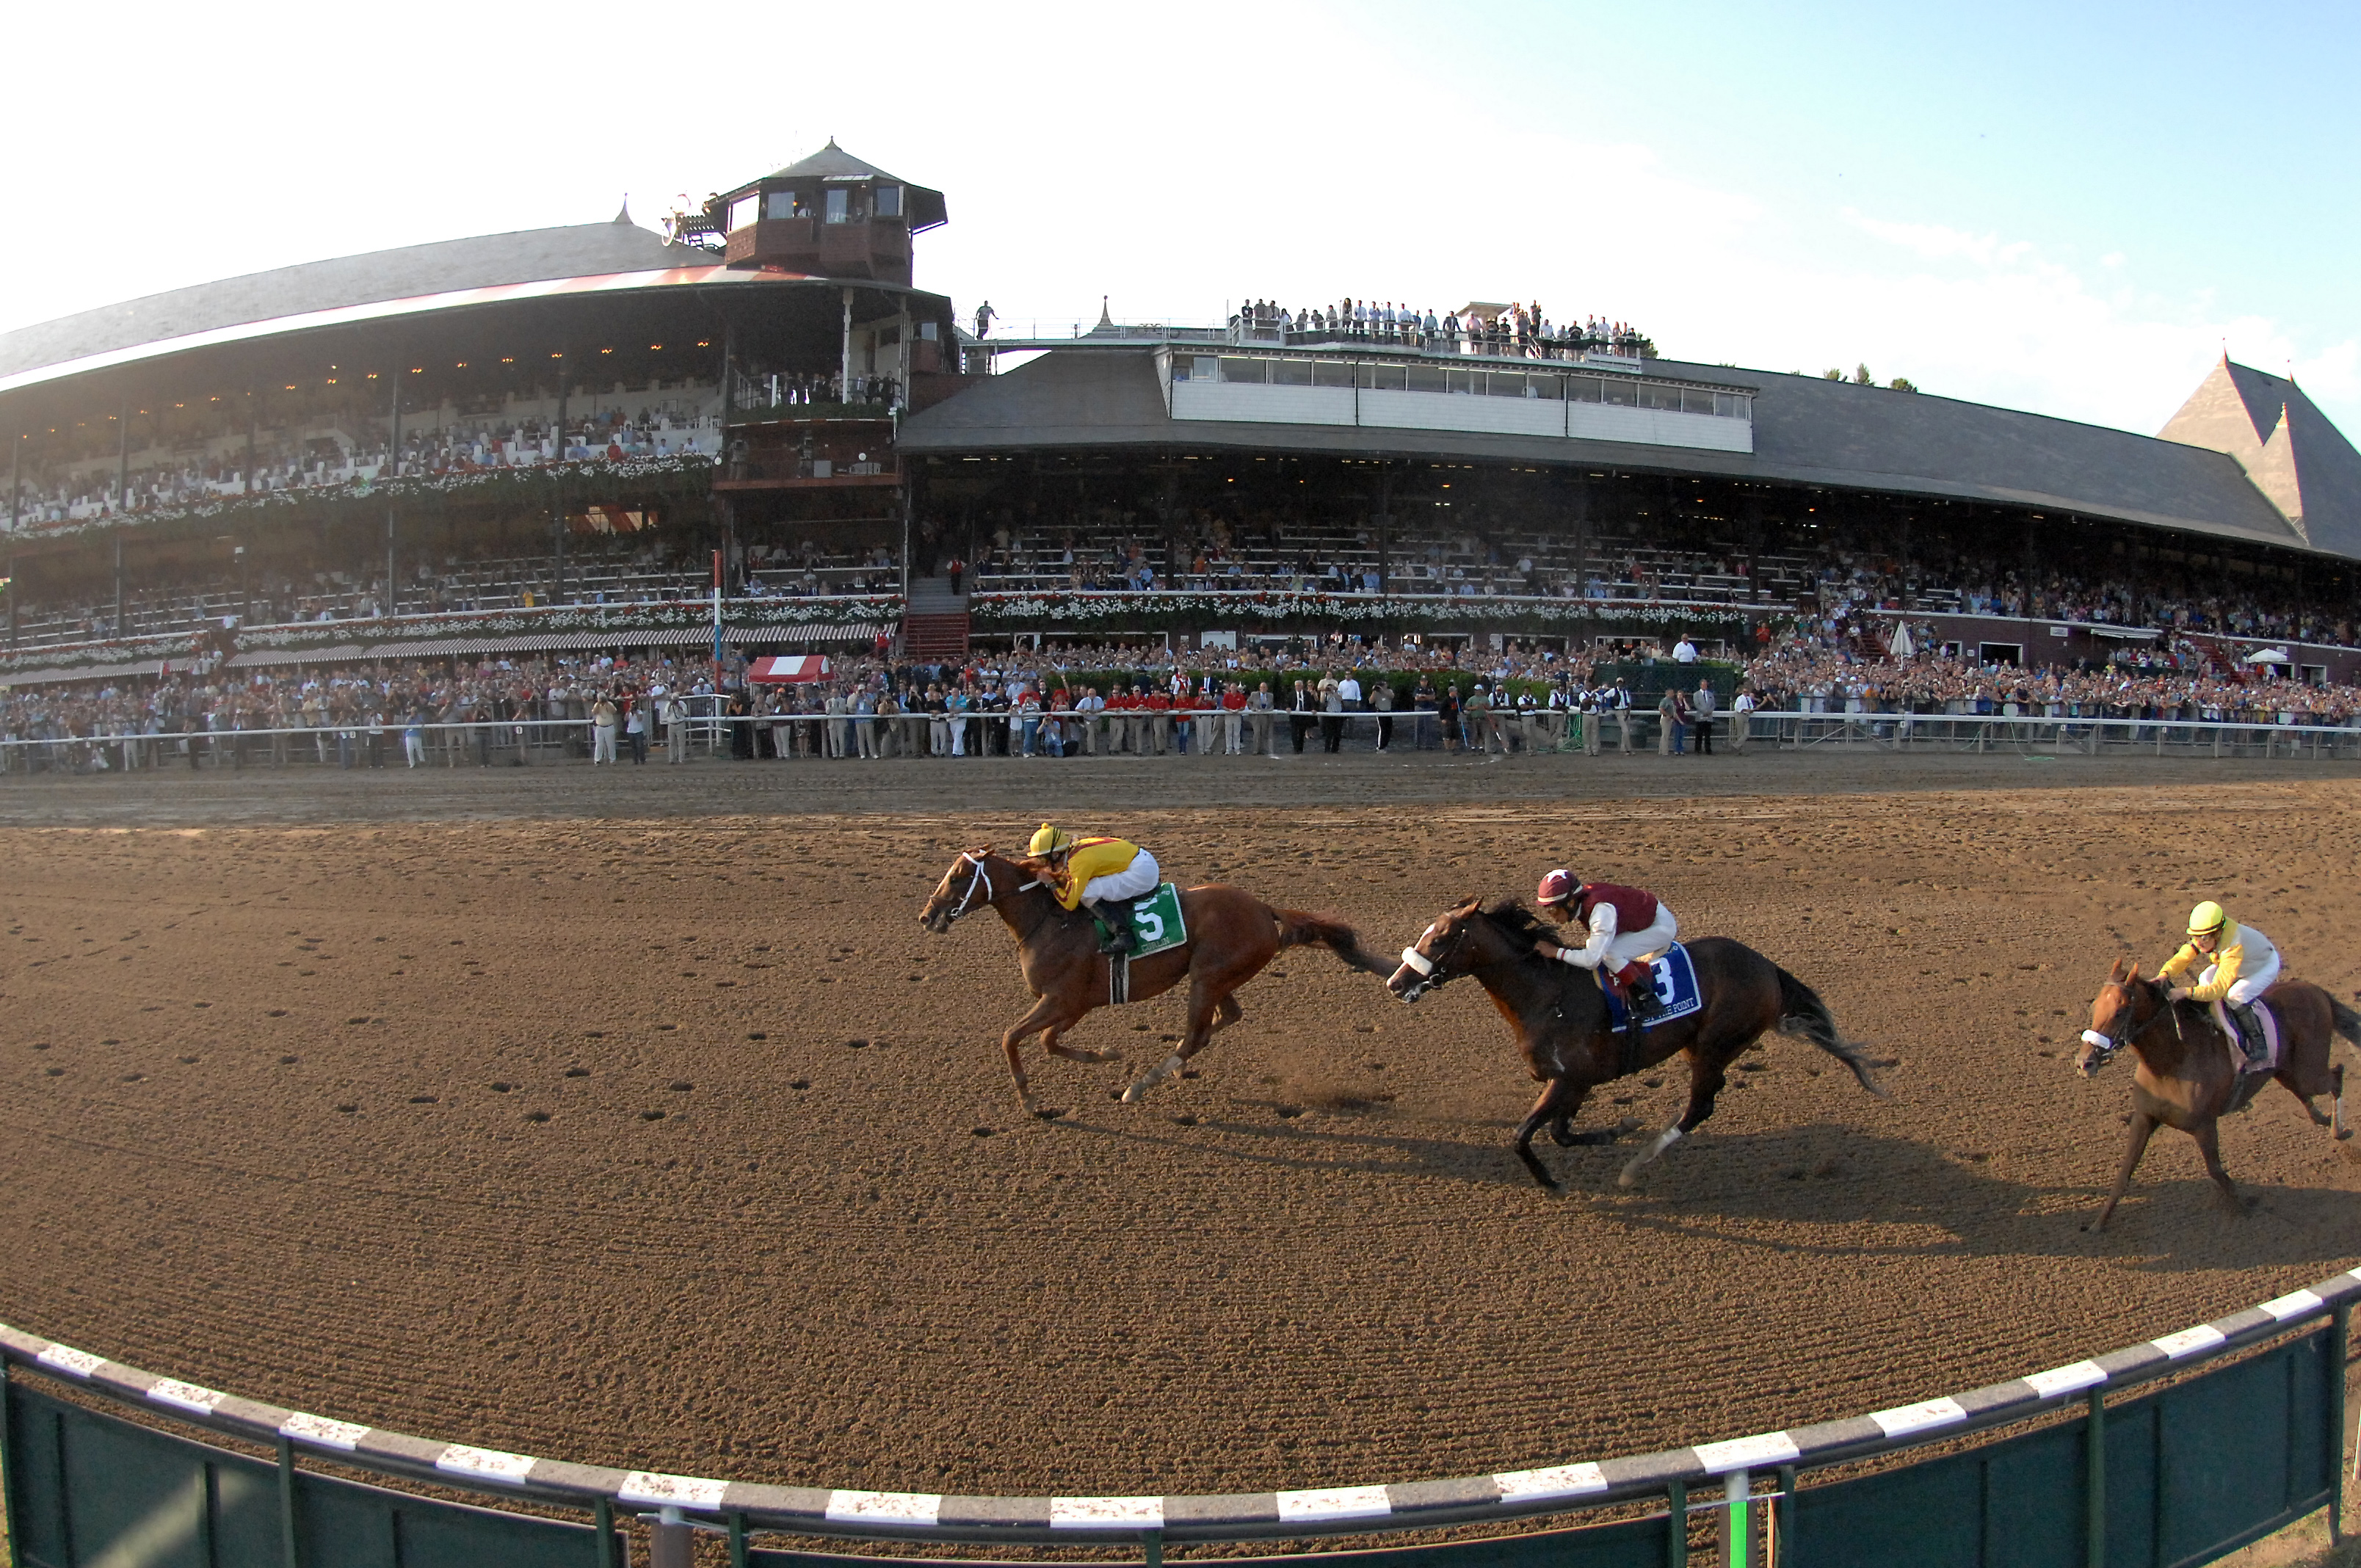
(1676, 988)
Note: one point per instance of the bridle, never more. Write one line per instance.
(2105, 1048)
(1431, 974)
(980, 880)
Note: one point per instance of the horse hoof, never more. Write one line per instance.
(1135, 1094)
(1044, 1113)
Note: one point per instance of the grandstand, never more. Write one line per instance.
(390, 448)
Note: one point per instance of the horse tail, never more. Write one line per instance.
(1803, 1014)
(2345, 1022)
(1301, 928)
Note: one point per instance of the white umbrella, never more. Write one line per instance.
(2269, 656)
(1901, 647)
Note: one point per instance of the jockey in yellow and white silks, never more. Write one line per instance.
(2240, 965)
(1105, 873)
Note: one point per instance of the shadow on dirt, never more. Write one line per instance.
(1789, 1191)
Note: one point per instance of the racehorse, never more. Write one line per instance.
(1561, 1022)
(1232, 934)
(2186, 1078)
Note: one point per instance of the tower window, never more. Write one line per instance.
(840, 205)
(744, 211)
(889, 200)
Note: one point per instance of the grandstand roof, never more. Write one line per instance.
(2292, 452)
(527, 255)
(1807, 430)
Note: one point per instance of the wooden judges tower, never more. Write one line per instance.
(829, 215)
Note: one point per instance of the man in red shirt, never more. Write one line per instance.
(1158, 703)
(1627, 926)
(1234, 715)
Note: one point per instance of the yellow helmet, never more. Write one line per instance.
(1048, 840)
(2206, 919)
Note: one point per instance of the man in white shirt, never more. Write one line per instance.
(1087, 710)
(1740, 711)
(1685, 651)
(1349, 690)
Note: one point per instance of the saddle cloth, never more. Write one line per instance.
(1156, 921)
(1676, 988)
(2272, 1048)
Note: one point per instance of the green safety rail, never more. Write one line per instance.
(2215, 1436)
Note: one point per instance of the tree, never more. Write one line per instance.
(1861, 378)
(1832, 375)
(1904, 384)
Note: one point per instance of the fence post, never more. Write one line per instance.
(2339, 1332)
(2095, 1460)
(287, 1505)
(1736, 1519)
(670, 1544)
(1151, 1548)
(737, 1540)
(9, 1465)
(1676, 1531)
(1780, 1509)
(602, 1520)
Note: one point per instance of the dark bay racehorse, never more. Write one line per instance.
(1232, 936)
(2186, 1078)
(1560, 1020)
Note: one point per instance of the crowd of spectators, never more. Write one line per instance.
(333, 457)
(1321, 694)
(1827, 667)
(1518, 331)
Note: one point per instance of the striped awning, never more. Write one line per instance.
(48, 676)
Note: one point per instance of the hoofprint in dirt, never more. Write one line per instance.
(679, 1145)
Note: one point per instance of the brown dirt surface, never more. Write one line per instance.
(675, 1143)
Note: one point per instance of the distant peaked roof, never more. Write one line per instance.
(833, 160)
(2293, 453)
(924, 206)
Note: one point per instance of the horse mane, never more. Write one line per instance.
(1512, 916)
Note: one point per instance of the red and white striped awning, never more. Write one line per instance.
(781, 669)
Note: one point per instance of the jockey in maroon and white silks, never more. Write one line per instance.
(1627, 926)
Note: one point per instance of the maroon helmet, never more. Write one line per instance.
(1558, 887)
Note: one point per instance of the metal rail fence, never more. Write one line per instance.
(999, 732)
(2166, 1453)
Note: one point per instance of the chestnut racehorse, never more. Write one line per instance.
(1560, 1019)
(2186, 1078)
(1232, 934)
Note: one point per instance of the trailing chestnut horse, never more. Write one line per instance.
(1232, 934)
(2186, 1078)
(1559, 1017)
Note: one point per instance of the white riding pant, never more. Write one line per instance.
(2247, 986)
(1630, 947)
(1137, 879)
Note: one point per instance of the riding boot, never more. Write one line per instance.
(2251, 1042)
(1639, 990)
(1120, 939)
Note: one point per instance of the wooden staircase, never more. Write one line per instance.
(934, 622)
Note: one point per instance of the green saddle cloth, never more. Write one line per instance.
(1154, 921)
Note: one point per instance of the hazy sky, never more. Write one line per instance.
(2057, 207)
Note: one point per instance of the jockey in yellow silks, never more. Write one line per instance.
(1105, 873)
(2240, 965)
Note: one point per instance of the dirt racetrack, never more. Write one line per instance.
(675, 1143)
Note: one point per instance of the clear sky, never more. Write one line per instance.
(2067, 208)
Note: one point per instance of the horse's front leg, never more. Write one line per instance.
(2143, 1127)
(1012, 1046)
(2209, 1144)
(1553, 1094)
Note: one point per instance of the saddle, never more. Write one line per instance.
(2253, 1071)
